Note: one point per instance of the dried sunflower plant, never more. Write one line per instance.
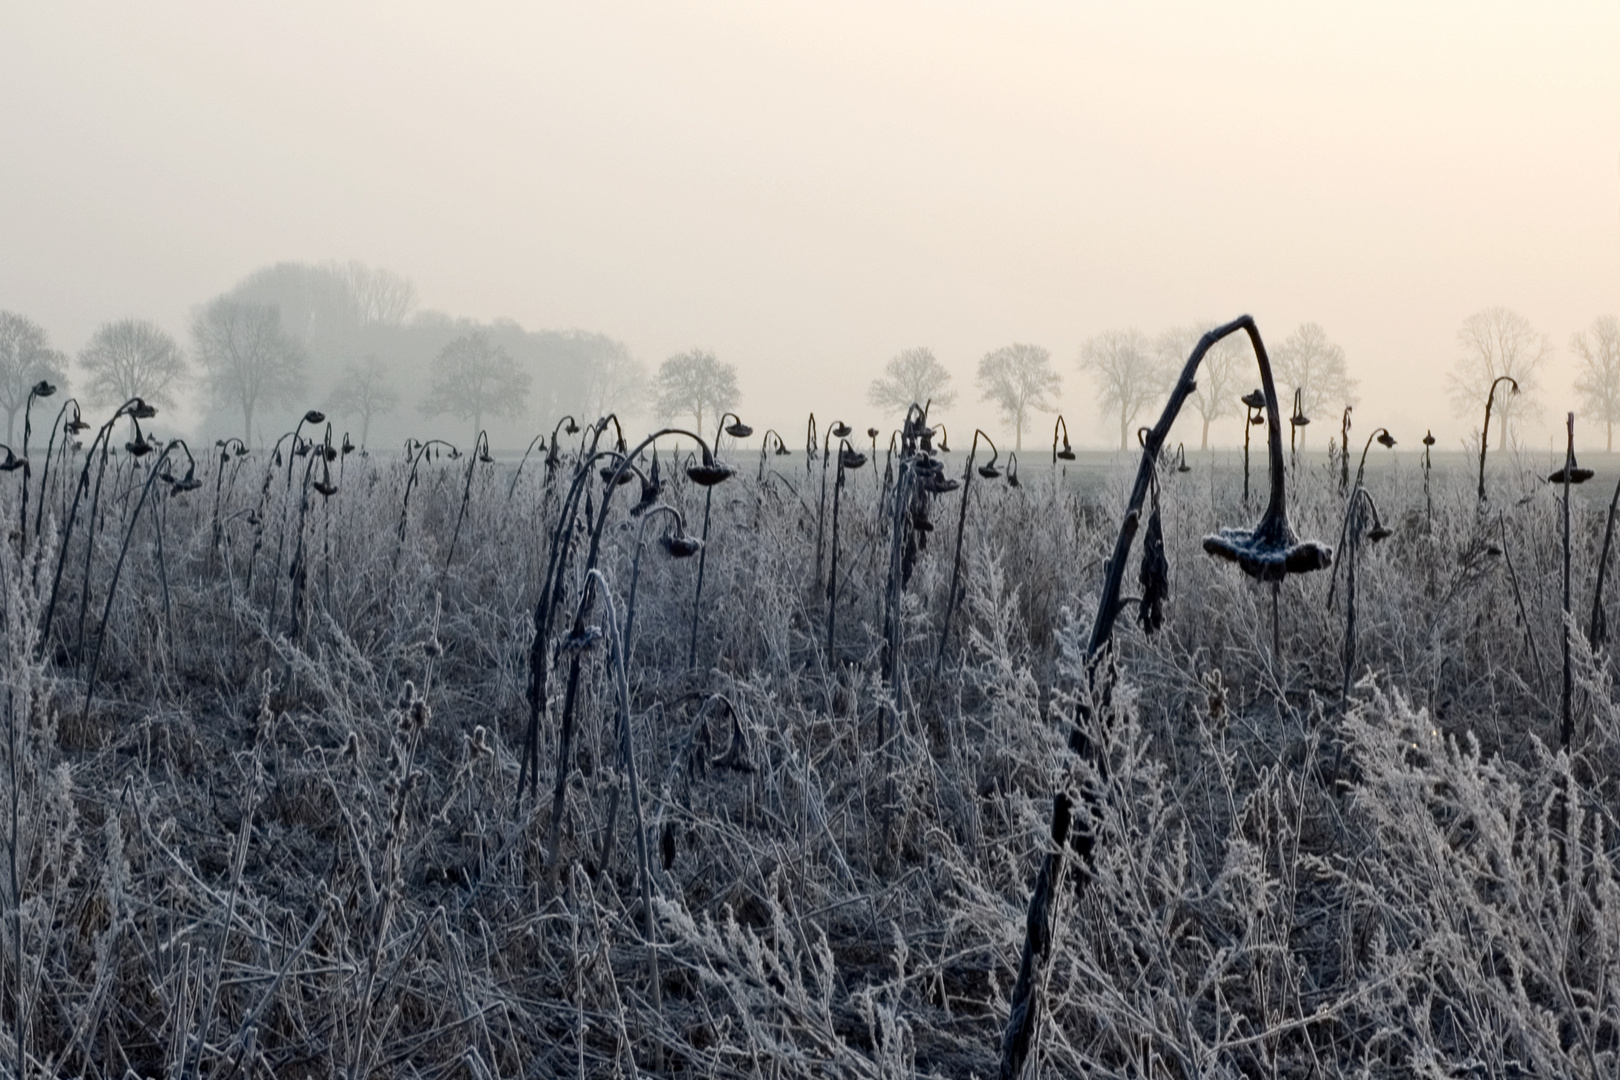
(626, 761)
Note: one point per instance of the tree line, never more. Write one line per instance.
(346, 335)
(251, 350)
(1130, 370)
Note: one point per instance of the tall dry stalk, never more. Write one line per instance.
(848, 459)
(1268, 552)
(1485, 432)
(989, 472)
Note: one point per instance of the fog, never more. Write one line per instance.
(808, 190)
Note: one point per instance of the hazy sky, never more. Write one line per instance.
(806, 189)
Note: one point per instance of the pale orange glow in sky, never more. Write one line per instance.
(807, 189)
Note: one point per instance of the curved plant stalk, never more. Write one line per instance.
(697, 593)
(1344, 451)
(900, 540)
(261, 515)
(1428, 501)
(41, 389)
(821, 510)
(1360, 504)
(1485, 432)
(90, 536)
(123, 552)
(848, 458)
(299, 447)
(1254, 410)
(410, 485)
(130, 407)
(1600, 622)
(961, 531)
(1067, 453)
(709, 473)
(1295, 422)
(540, 439)
(659, 510)
(1387, 440)
(73, 427)
(551, 591)
(918, 475)
(1268, 552)
(1567, 475)
(299, 570)
(765, 449)
(225, 451)
(480, 454)
(737, 430)
(881, 510)
(877, 481)
(621, 688)
(69, 429)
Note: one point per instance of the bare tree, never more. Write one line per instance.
(26, 358)
(1497, 342)
(1220, 376)
(1127, 372)
(695, 384)
(913, 377)
(1019, 380)
(615, 381)
(363, 389)
(472, 376)
(1310, 363)
(1598, 384)
(380, 297)
(248, 360)
(132, 358)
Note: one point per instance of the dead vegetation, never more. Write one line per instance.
(302, 825)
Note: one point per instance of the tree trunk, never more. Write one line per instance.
(1018, 435)
(1501, 430)
(1203, 443)
(247, 423)
(365, 428)
(1124, 421)
(1609, 449)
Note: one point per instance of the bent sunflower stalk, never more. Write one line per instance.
(1267, 552)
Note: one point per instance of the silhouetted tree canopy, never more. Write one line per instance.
(1597, 352)
(474, 377)
(363, 390)
(1308, 362)
(249, 361)
(26, 357)
(1220, 382)
(912, 377)
(695, 384)
(1018, 380)
(1497, 342)
(132, 358)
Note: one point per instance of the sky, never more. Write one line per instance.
(807, 189)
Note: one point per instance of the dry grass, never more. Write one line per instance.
(265, 852)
